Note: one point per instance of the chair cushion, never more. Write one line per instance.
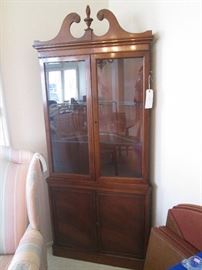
(5, 261)
(13, 213)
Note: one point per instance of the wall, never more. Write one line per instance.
(176, 129)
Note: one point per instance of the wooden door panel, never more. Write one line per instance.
(122, 223)
(74, 218)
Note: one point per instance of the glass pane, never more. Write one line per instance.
(120, 94)
(66, 87)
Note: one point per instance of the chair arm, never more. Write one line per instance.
(30, 254)
(165, 249)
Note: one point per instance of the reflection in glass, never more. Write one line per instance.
(120, 93)
(66, 91)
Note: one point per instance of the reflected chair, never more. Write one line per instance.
(179, 239)
(21, 240)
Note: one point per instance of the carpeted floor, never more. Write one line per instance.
(58, 263)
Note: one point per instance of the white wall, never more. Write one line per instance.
(176, 129)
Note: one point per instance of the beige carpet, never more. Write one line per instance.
(59, 263)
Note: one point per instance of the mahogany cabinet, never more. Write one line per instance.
(94, 90)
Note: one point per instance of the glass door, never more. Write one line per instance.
(69, 112)
(120, 115)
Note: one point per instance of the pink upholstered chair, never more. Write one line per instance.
(21, 242)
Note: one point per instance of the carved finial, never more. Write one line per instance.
(88, 20)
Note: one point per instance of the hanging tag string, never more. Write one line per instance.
(149, 80)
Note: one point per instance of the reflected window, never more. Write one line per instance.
(70, 84)
(63, 81)
(55, 86)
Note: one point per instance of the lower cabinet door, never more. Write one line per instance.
(121, 223)
(74, 218)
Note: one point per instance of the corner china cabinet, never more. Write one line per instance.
(94, 90)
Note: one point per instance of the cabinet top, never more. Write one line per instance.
(115, 34)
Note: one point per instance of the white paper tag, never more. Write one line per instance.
(149, 99)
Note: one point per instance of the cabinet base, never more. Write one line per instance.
(108, 259)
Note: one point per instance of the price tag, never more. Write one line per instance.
(149, 99)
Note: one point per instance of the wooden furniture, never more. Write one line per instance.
(98, 141)
(180, 238)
